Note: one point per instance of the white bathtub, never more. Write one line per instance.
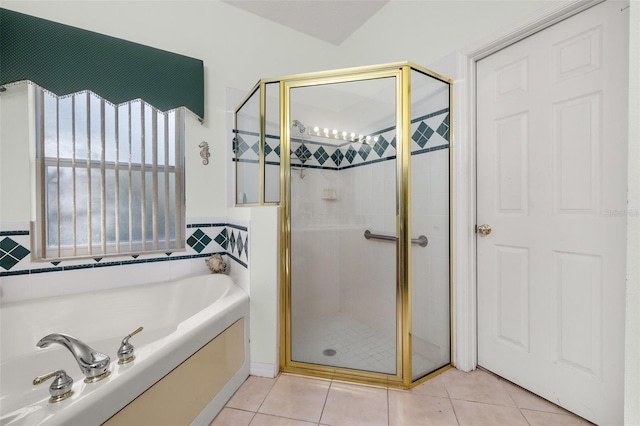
(179, 317)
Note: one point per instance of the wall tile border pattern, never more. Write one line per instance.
(203, 240)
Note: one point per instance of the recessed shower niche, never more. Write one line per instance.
(360, 162)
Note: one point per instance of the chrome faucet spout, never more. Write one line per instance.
(93, 364)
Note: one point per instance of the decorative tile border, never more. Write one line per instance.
(203, 240)
(428, 133)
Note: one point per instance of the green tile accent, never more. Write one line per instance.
(198, 240)
(422, 134)
(443, 129)
(240, 246)
(381, 146)
(350, 155)
(221, 238)
(364, 151)
(303, 153)
(11, 253)
(321, 155)
(7, 245)
(337, 157)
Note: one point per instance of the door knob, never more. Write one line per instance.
(483, 229)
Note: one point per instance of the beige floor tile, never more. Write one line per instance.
(477, 385)
(432, 387)
(407, 408)
(297, 398)
(525, 399)
(477, 413)
(536, 418)
(353, 405)
(267, 420)
(252, 393)
(232, 417)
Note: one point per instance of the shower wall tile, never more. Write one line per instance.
(428, 133)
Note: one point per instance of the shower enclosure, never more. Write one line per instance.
(359, 161)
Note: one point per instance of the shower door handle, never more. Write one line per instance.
(422, 241)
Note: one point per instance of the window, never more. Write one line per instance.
(110, 177)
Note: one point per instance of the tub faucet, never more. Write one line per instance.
(93, 364)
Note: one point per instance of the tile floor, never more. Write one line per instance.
(355, 344)
(452, 398)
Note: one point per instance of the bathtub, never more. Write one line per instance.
(179, 318)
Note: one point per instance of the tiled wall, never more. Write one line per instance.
(429, 132)
(205, 237)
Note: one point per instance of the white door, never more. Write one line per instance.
(551, 164)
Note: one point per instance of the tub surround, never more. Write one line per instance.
(23, 278)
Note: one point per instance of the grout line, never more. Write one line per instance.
(325, 401)
(388, 408)
(270, 389)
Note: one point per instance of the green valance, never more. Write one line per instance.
(65, 59)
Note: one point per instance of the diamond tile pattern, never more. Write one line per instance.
(443, 129)
(256, 148)
(321, 155)
(11, 253)
(350, 155)
(381, 146)
(364, 151)
(241, 146)
(232, 242)
(337, 157)
(221, 238)
(198, 240)
(422, 134)
(240, 246)
(430, 132)
(303, 153)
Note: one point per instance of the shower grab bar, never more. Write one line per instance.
(422, 241)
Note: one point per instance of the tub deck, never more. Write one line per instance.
(179, 317)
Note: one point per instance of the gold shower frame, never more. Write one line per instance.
(402, 72)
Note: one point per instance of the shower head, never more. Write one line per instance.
(299, 125)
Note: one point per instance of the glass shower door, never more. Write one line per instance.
(342, 185)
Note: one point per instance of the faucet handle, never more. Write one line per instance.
(60, 388)
(125, 353)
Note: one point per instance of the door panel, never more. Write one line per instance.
(551, 167)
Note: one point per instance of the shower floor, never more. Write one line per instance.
(356, 346)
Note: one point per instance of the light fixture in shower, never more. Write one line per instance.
(325, 132)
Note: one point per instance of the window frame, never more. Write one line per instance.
(115, 246)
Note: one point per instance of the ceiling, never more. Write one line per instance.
(330, 20)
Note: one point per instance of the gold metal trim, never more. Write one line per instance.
(402, 72)
(261, 142)
(126, 360)
(452, 346)
(61, 397)
(97, 378)
(403, 189)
